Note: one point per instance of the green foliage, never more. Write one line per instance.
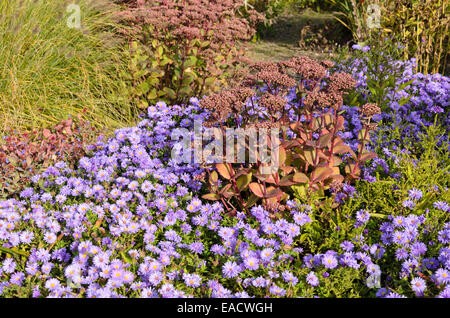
(170, 71)
(423, 27)
(49, 71)
(383, 199)
(382, 71)
(177, 51)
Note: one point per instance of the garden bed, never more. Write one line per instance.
(357, 205)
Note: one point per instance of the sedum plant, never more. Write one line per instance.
(181, 49)
(303, 99)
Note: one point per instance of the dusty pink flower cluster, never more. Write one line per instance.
(273, 82)
(192, 46)
(215, 21)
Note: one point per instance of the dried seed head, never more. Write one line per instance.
(370, 109)
(341, 82)
(272, 102)
(327, 63)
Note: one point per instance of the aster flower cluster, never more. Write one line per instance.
(414, 102)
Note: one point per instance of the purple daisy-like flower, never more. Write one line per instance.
(196, 247)
(442, 276)
(415, 194)
(329, 261)
(441, 205)
(288, 277)
(409, 204)
(192, 280)
(312, 279)
(17, 278)
(276, 290)
(347, 246)
(230, 269)
(418, 285)
(362, 216)
(251, 263)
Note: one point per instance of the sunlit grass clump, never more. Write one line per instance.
(49, 70)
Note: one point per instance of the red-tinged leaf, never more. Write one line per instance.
(340, 123)
(240, 173)
(324, 140)
(293, 143)
(328, 119)
(229, 194)
(273, 193)
(336, 177)
(335, 161)
(213, 178)
(367, 156)
(322, 173)
(300, 177)
(257, 189)
(341, 147)
(225, 188)
(271, 179)
(224, 170)
(287, 181)
(243, 181)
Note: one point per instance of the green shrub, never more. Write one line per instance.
(183, 49)
(421, 26)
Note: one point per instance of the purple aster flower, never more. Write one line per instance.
(230, 269)
(155, 278)
(415, 194)
(267, 254)
(441, 205)
(347, 246)
(373, 270)
(382, 292)
(17, 278)
(442, 276)
(329, 261)
(362, 216)
(288, 277)
(418, 285)
(49, 237)
(52, 284)
(251, 263)
(312, 279)
(9, 265)
(409, 204)
(196, 247)
(301, 218)
(26, 237)
(276, 290)
(192, 280)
